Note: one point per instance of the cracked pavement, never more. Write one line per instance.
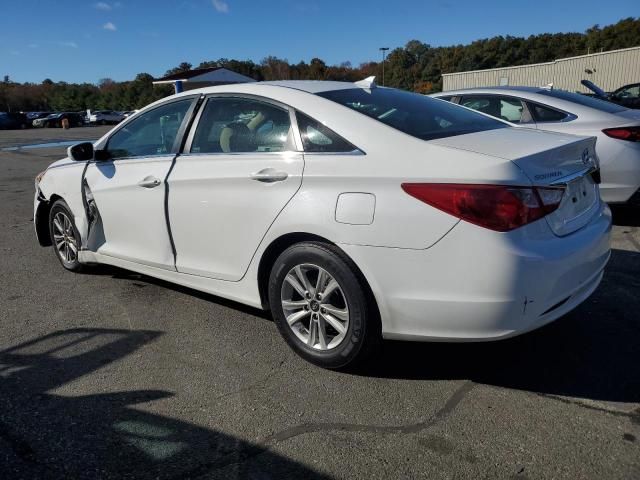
(111, 374)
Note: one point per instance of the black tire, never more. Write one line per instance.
(68, 259)
(363, 333)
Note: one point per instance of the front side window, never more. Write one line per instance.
(505, 108)
(318, 138)
(546, 114)
(629, 92)
(242, 125)
(417, 115)
(152, 133)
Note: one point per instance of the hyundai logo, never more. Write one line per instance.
(586, 159)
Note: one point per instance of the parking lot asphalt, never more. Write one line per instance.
(110, 374)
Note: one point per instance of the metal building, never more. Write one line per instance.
(609, 70)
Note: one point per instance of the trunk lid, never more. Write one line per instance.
(630, 115)
(548, 159)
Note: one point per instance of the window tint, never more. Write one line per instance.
(546, 114)
(152, 133)
(318, 138)
(417, 115)
(629, 92)
(447, 98)
(505, 108)
(242, 125)
(591, 102)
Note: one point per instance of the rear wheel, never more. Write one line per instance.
(64, 236)
(321, 306)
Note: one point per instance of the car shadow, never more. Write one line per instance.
(44, 434)
(590, 353)
(627, 215)
(122, 274)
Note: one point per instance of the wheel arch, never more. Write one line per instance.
(42, 220)
(280, 244)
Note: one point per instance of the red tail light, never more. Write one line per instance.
(497, 207)
(623, 133)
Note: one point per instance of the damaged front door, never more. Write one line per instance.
(129, 189)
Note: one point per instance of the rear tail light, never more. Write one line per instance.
(631, 134)
(497, 207)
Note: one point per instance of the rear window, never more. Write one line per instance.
(583, 100)
(417, 115)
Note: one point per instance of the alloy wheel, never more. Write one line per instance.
(64, 238)
(315, 307)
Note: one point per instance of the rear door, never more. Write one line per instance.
(242, 164)
(129, 189)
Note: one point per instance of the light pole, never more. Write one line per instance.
(384, 51)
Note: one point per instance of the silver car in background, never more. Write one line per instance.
(617, 128)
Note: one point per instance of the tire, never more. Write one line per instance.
(346, 329)
(64, 236)
(103, 122)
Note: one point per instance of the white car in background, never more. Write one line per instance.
(616, 128)
(351, 212)
(105, 117)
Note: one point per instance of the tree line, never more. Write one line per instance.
(417, 66)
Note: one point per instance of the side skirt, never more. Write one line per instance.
(242, 291)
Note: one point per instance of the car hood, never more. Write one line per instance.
(61, 162)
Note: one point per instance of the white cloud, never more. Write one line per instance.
(15, 53)
(110, 26)
(103, 6)
(33, 45)
(68, 44)
(221, 6)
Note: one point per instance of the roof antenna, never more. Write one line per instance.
(368, 83)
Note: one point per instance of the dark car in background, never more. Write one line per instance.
(36, 115)
(627, 96)
(55, 120)
(13, 121)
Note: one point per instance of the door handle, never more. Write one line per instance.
(269, 175)
(149, 182)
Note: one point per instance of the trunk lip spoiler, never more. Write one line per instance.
(591, 170)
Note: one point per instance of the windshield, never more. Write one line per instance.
(583, 100)
(417, 115)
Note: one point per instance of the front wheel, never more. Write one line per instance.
(64, 236)
(321, 306)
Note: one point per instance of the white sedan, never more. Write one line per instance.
(352, 212)
(617, 128)
(105, 117)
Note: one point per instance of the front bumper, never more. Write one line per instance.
(479, 285)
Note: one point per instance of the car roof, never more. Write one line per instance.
(309, 86)
(312, 86)
(491, 89)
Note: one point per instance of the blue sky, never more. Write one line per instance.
(80, 41)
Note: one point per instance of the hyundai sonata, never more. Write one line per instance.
(352, 212)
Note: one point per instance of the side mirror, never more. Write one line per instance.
(81, 152)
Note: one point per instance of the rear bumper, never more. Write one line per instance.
(479, 285)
